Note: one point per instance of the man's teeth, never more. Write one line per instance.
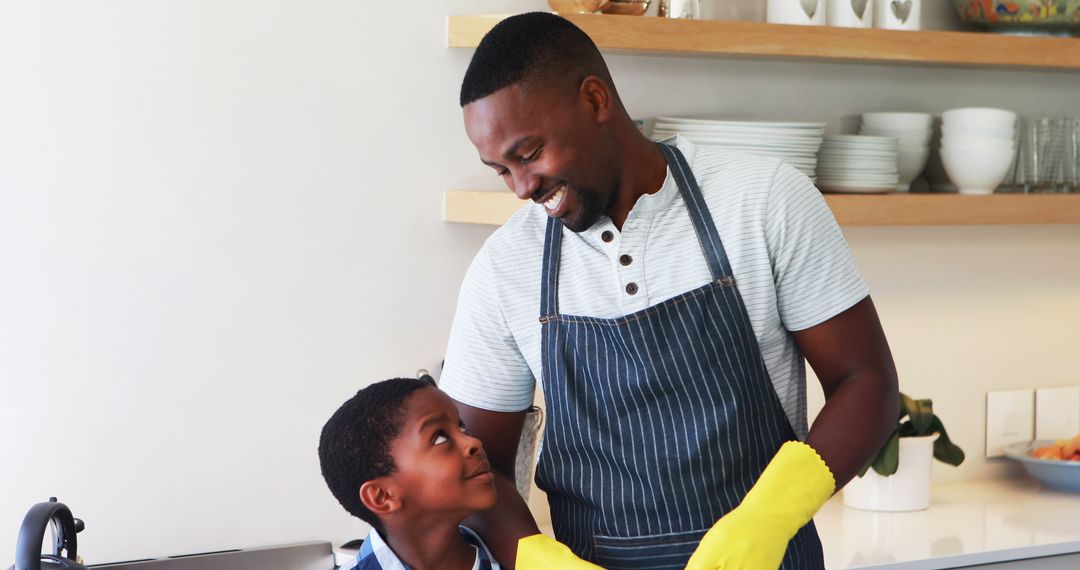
(553, 202)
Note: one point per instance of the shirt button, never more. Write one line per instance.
(625, 259)
(631, 288)
(607, 236)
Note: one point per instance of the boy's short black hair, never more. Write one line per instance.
(527, 47)
(354, 446)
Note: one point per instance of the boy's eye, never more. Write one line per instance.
(440, 438)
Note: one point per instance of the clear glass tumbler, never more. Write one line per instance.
(1042, 155)
(1070, 168)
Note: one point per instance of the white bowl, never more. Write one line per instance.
(977, 143)
(910, 162)
(982, 116)
(910, 137)
(982, 131)
(903, 121)
(976, 172)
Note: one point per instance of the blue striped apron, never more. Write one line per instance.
(660, 421)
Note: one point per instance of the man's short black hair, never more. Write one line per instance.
(536, 46)
(354, 446)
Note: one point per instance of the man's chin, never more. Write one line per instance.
(578, 225)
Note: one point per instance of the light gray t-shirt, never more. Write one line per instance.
(791, 265)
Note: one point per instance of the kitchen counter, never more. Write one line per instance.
(968, 524)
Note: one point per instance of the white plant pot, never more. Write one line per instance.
(906, 490)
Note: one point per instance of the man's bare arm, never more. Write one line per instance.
(852, 360)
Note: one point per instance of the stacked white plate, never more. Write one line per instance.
(914, 130)
(858, 164)
(796, 143)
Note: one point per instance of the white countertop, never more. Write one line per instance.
(975, 522)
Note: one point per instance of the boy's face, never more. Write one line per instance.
(441, 468)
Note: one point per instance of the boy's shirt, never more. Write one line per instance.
(375, 554)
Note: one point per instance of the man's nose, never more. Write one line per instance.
(525, 185)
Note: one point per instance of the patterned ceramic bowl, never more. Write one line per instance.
(1027, 17)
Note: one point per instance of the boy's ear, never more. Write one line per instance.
(379, 496)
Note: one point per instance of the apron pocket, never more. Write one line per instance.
(653, 551)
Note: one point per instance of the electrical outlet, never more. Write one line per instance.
(1010, 418)
(1057, 412)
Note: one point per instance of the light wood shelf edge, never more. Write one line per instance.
(496, 207)
(731, 38)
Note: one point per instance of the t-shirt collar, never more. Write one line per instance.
(649, 204)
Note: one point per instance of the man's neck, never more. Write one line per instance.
(431, 546)
(644, 173)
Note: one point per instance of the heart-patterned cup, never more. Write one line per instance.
(850, 13)
(801, 12)
(897, 14)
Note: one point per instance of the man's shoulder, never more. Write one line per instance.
(735, 169)
(735, 185)
(523, 232)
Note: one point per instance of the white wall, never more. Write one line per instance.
(218, 219)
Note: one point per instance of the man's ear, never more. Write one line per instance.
(599, 97)
(380, 497)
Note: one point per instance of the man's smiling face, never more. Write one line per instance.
(545, 144)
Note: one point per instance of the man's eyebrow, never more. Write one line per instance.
(510, 152)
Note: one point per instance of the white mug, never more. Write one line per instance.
(897, 14)
(850, 13)
(802, 12)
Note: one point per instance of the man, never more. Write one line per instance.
(665, 295)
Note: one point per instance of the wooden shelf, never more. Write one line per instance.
(661, 36)
(495, 207)
(642, 34)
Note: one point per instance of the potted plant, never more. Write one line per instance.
(898, 477)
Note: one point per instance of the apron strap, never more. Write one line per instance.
(699, 215)
(549, 284)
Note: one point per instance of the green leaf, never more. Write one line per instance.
(906, 403)
(944, 449)
(921, 422)
(888, 459)
(920, 413)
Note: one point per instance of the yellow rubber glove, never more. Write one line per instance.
(541, 552)
(755, 534)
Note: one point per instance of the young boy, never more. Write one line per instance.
(397, 456)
